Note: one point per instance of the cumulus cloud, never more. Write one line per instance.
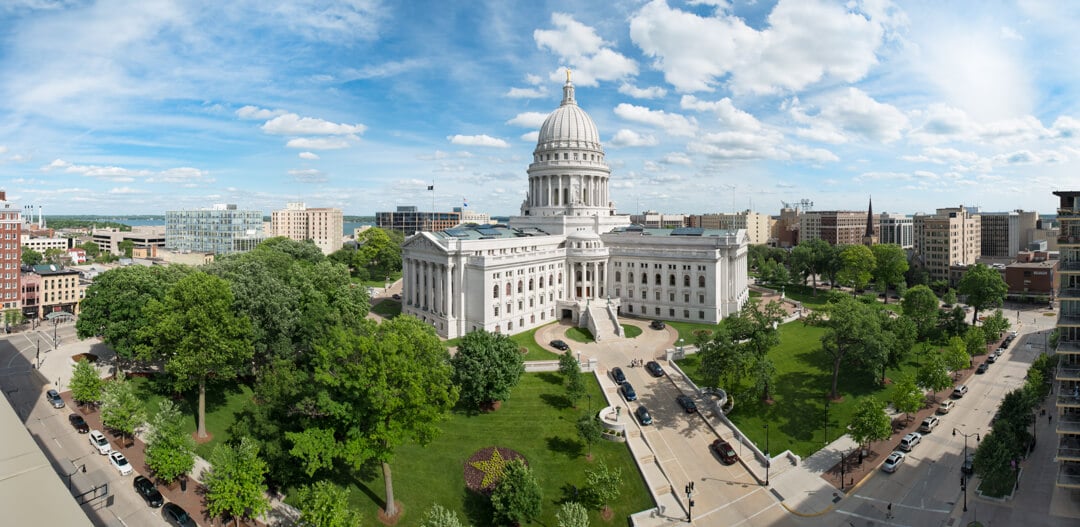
(677, 159)
(292, 124)
(579, 46)
(319, 143)
(528, 119)
(651, 92)
(853, 111)
(259, 114)
(308, 155)
(570, 38)
(725, 111)
(128, 175)
(127, 190)
(526, 93)
(626, 137)
(477, 140)
(308, 175)
(673, 123)
(531, 137)
(803, 42)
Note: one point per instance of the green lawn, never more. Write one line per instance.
(631, 330)
(799, 389)
(537, 422)
(379, 283)
(387, 308)
(223, 402)
(686, 331)
(536, 352)
(577, 334)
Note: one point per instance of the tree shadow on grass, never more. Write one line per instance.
(477, 507)
(570, 447)
(558, 402)
(550, 378)
(799, 413)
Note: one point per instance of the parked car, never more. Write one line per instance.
(982, 368)
(148, 491)
(176, 515)
(657, 324)
(628, 392)
(724, 451)
(929, 424)
(54, 399)
(120, 463)
(643, 416)
(968, 466)
(559, 345)
(893, 462)
(945, 406)
(654, 368)
(910, 441)
(617, 375)
(991, 358)
(959, 391)
(100, 443)
(79, 423)
(395, 296)
(686, 403)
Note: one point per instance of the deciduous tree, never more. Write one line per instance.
(907, 396)
(589, 430)
(851, 328)
(755, 329)
(170, 450)
(86, 385)
(869, 422)
(994, 325)
(121, 409)
(571, 374)
(31, 257)
(487, 366)
(984, 288)
(439, 516)
(956, 355)
(857, 266)
(235, 483)
(198, 334)
(721, 356)
(890, 264)
(975, 341)
(920, 304)
(324, 504)
(603, 485)
(517, 497)
(572, 514)
(933, 374)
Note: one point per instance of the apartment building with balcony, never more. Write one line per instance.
(948, 238)
(1067, 377)
(297, 221)
(10, 252)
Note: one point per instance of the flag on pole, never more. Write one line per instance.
(465, 202)
(431, 187)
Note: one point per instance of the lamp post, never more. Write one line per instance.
(842, 459)
(826, 421)
(768, 460)
(77, 469)
(689, 502)
(963, 487)
(966, 436)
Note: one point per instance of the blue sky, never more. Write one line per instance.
(110, 107)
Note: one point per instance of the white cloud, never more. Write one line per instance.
(579, 46)
(319, 143)
(127, 190)
(528, 119)
(675, 124)
(604, 65)
(308, 155)
(570, 38)
(477, 140)
(1009, 33)
(626, 137)
(128, 175)
(725, 111)
(854, 111)
(292, 124)
(526, 93)
(531, 137)
(308, 175)
(180, 175)
(255, 113)
(803, 42)
(677, 159)
(651, 92)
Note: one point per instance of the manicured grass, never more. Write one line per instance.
(223, 402)
(387, 308)
(535, 421)
(799, 390)
(536, 352)
(380, 283)
(577, 334)
(630, 330)
(686, 331)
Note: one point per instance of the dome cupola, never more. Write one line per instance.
(568, 126)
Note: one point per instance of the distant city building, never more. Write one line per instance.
(11, 225)
(758, 226)
(471, 217)
(41, 245)
(323, 226)
(837, 227)
(896, 229)
(1034, 275)
(76, 255)
(56, 289)
(1066, 395)
(785, 230)
(408, 220)
(145, 239)
(950, 237)
(222, 229)
(656, 220)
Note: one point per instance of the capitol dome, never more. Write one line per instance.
(568, 126)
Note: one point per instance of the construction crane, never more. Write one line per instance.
(803, 204)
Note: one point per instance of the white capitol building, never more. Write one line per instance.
(570, 255)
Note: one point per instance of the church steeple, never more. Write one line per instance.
(869, 238)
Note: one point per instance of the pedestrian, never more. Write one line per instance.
(1049, 418)
(888, 515)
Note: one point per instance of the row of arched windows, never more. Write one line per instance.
(521, 285)
(658, 279)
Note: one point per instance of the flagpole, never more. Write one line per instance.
(432, 204)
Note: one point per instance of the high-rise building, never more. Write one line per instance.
(757, 226)
(10, 251)
(221, 229)
(949, 237)
(144, 239)
(896, 229)
(1000, 234)
(298, 222)
(658, 220)
(1067, 376)
(837, 227)
(408, 220)
(569, 255)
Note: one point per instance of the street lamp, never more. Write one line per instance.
(77, 469)
(768, 460)
(963, 487)
(966, 436)
(826, 421)
(689, 502)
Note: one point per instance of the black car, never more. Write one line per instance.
(618, 375)
(628, 392)
(395, 296)
(643, 415)
(176, 515)
(982, 368)
(559, 345)
(79, 423)
(54, 399)
(657, 324)
(148, 491)
(654, 368)
(686, 403)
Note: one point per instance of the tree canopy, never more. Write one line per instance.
(857, 266)
(121, 409)
(907, 396)
(869, 422)
(890, 264)
(933, 374)
(324, 504)
(170, 450)
(517, 497)
(86, 385)
(984, 288)
(235, 483)
(852, 328)
(487, 366)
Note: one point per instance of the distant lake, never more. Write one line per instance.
(347, 227)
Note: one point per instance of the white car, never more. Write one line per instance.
(100, 443)
(893, 462)
(121, 463)
(909, 441)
